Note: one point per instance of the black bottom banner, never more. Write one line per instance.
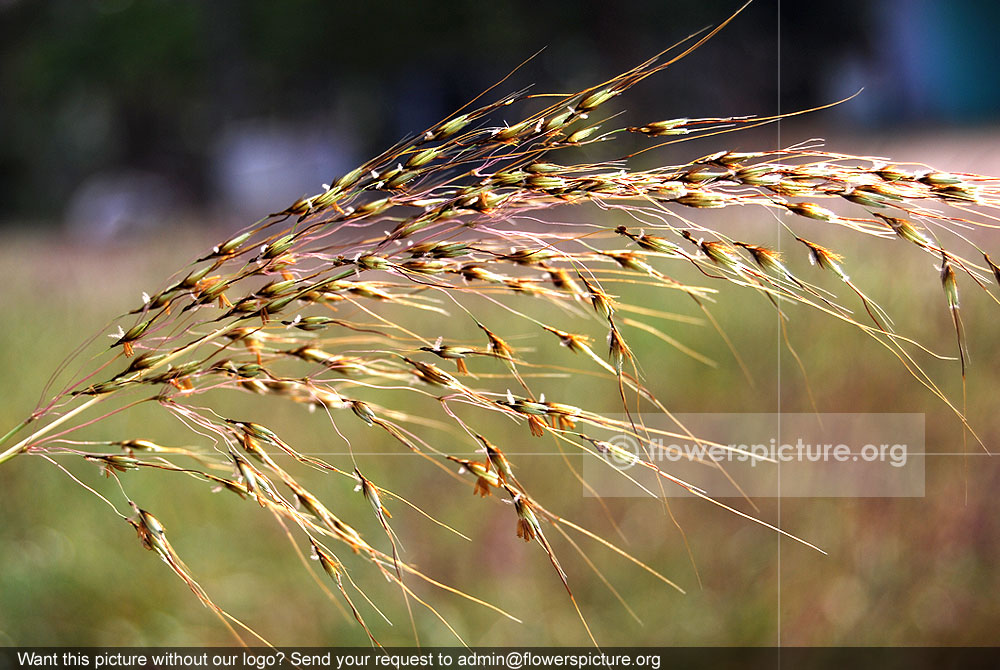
(343, 658)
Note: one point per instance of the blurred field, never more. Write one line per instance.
(909, 571)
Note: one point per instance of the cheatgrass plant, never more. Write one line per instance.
(388, 299)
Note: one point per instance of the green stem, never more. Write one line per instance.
(22, 446)
(14, 431)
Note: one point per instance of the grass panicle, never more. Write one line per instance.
(357, 301)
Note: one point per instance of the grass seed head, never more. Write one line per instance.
(363, 411)
(661, 128)
(950, 284)
(528, 526)
(993, 266)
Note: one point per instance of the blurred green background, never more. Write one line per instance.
(137, 134)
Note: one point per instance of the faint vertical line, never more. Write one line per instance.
(778, 384)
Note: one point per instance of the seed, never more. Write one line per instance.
(993, 266)
(348, 179)
(581, 135)
(370, 492)
(278, 304)
(720, 253)
(400, 179)
(601, 301)
(939, 179)
(363, 411)
(702, 199)
(498, 462)
(958, 192)
(894, 174)
(557, 121)
(543, 183)
(596, 99)
(372, 262)
(486, 478)
(311, 323)
(194, 277)
(449, 128)
(138, 445)
(326, 560)
(115, 462)
(575, 343)
(527, 407)
(515, 178)
(618, 350)
(425, 267)
(133, 333)
(868, 198)
(810, 211)
(274, 289)
(703, 175)
(561, 279)
(823, 257)
(768, 260)
(950, 284)
(372, 208)
(511, 133)
(431, 374)
(422, 158)
(759, 175)
(232, 244)
(528, 527)
(529, 256)
(905, 230)
(144, 361)
(658, 128)
(278, 247)
(497, 346)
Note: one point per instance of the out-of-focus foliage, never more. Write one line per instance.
(117, 87)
